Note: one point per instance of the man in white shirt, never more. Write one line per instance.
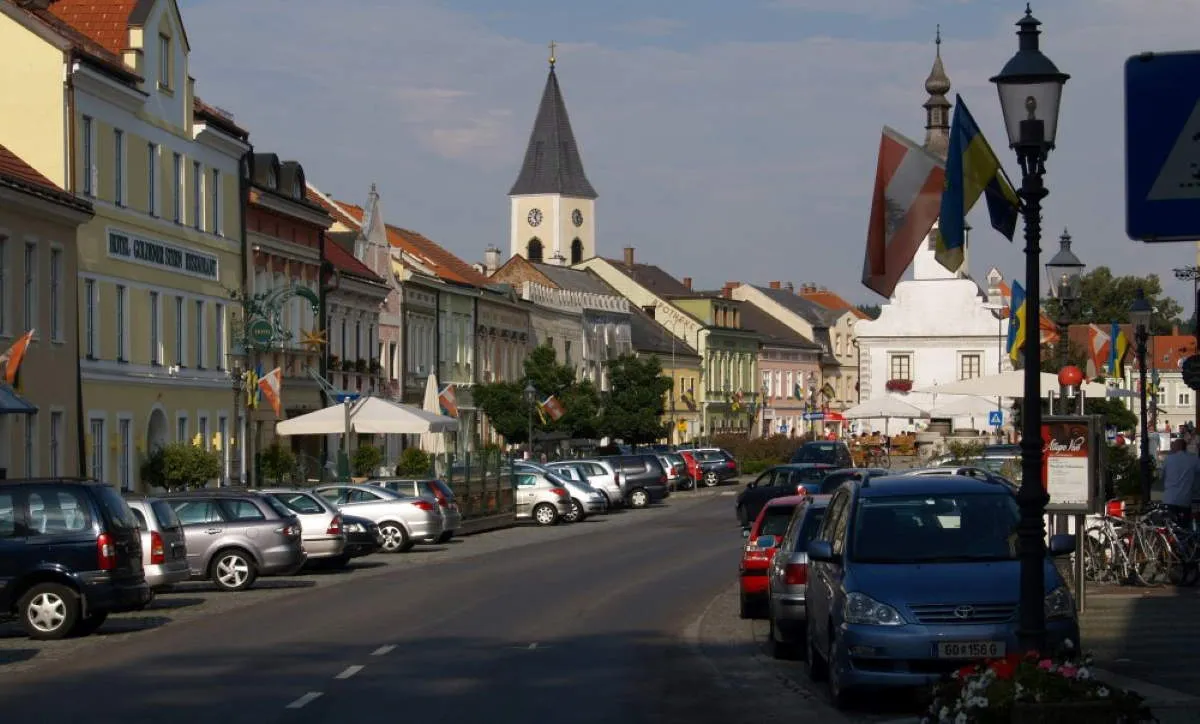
(1180, 475)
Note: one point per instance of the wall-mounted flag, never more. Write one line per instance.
(448, 401)
(11, 359)
(270, 386)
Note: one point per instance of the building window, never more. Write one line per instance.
(970, 366)
(576, 251)
(180, 330)
(56, 436)
(30, 286)
(219, 333)
(164, 62)
(199, 334)
(121, 336)
(119, 167)
(217, 226)
(202, 431)
(901, 367)
(56, 291)
(177, 187)
(125, 453)
(358, 340)
(88, 158)
(155, 342)
(181, 429)
(223, 440)
(151, 178)
(31, 445)
(1183, 399)
(97, 466)
(89, 318)
(534, 252)
(197, 194)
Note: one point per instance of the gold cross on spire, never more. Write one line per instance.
(553, 57)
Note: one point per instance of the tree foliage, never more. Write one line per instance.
(277, 462)
(414, 462)
(633, 408)
(1105, 299)
(871, 310)
(366, 459)
(180, 466)
(504, 404)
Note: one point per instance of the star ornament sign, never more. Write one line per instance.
(314, 338)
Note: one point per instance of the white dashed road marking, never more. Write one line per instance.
(349, 671)
(304, 700)
(533, 646)
(383, 650)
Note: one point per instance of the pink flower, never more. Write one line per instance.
(1046, 665)
(1068, 671)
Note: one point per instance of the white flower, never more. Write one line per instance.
(1068, 644)
(1102, 692)
(944, 714)
(961, 718)
(1083, 673)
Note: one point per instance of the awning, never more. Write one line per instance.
(13, 404)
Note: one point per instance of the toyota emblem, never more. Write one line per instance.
(964, 612)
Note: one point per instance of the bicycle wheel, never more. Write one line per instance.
(884, 460)
(1151, 558)
(1100, 557)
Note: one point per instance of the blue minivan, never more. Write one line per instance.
(911, 577)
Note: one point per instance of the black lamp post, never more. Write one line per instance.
(1064, 273)
(530, 399)
(1030, 88)
(1140, 313)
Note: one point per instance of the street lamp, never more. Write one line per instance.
(1030, 88)
(530, 398)
(236, 383)
(1192, 274)
(1064, 273)
(1140, 313)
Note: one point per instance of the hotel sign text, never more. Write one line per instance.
(162, 255)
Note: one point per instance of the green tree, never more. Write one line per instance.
(580, 400)
(633, 408)
(180, 466)
(1105, 299)
(414, 462)
(1114, 412)
(277, 462)
(871, 310)
(504, 404)
(366, 459)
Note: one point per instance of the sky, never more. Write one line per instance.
(727, 140)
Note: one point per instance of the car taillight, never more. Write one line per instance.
(158, 554)
(730, 464)
(106, 552)
(424, 505)
(291, 530)
(560, 492)
(796, 574)
(335, 526)
(801, 490)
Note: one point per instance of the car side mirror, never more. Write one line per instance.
(821, 551)
(767, 541)
(745, 532)
(1061, 544)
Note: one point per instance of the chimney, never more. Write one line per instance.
(776, 285)
(491, 260)
(687, 282)
(727, 292)
(1175, 330)
(790, 287)
(629, 256)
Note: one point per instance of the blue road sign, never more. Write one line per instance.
(1162, 146)
(814, 416)
(996, 418)
(341, 397)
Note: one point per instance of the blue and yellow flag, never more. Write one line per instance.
(1116, 351)
(971, 169)
(1016, 322)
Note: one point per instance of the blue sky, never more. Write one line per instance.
(727, 140)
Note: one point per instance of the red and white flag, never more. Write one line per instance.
(271, 385)
(553, 407)
(906, 203)
(1099, 347)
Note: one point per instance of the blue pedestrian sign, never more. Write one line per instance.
(341, 397)
(996, 418)
(1162, 146)
(810, 416)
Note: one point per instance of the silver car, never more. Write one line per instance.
(403, 520)
(787, 580)
(539, 497)
(320, 524)
(164, 548)
(585, 500)
(676, 468)
(599, 474)
(447, 503)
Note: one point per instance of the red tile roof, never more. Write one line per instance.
(346, 261)
(331, 208)
(104, 21)
(82, 43)
(833, 302)
(15, 172)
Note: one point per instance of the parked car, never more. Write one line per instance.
(643, 479)
(787, 580)
(914, 575)
(826, 452)
(761, 540)
(320, 525)
(968, 471)
(539, 497)
(676, 468)
(834, 479)
(431, 488)
(716, 466)
(362, 536)
(233, 536)
(164, 549)
(602, 476)
(586, 500)
(403, 519)
(777, 482)
(70, 554)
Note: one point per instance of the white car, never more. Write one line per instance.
(402, 519)
(320, 524)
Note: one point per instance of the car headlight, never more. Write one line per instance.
(862, 609)
(354, 528)
(1059, 603)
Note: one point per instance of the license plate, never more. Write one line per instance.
(970, 649)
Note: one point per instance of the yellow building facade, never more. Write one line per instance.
(158, 262)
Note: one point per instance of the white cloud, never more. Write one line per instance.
(732, 159)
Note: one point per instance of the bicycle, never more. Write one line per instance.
(877, 456)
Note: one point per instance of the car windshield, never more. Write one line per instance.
(165, 515)
(446, 491)
(280, 509)
(935, 528)
(708, 455)
(812, 521)
(119, 514)
(776, 519)
(300, 503)
(818, 453)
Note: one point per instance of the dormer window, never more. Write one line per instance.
(272, 178)
(164, 62)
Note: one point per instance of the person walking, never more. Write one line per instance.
(1181, 480)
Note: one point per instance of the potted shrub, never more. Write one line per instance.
(347, 365)
(180, 466)
(414, 463)
(360, 365)
(335, 362)
(277, 462)
(899, 385)
(366, 459)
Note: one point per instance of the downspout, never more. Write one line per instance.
(245, 170)
(81, 425)
(323, 323)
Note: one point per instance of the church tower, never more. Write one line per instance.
(552, 202)
(937, 142)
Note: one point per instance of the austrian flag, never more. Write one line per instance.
(904, 207)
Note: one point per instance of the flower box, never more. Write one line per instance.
(899, 385)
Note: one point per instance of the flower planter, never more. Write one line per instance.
(1065, 712)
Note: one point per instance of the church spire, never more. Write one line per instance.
(552, 164)
(937, 107)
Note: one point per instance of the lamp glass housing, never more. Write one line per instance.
(1140, 312)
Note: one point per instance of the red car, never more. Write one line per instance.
(772, 521)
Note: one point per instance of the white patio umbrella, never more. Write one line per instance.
(433, 443)
(962, 406)
(884, 407)
(1008, 384)
(367, 415)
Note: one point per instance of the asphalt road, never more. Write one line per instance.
(583, 623)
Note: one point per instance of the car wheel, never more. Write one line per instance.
(816, 666)
(395, 538)
(575, 514)
(710, 479)
(445, 536)
(742, 517)
(777, 643)
(544, 514)
(839, 695)
(233, 570)
(639, 498)
(88, 625)
(49, 611)
(743, 606)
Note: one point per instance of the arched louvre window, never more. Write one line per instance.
(534, 252)
(576, 251)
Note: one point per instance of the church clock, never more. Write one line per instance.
(535, 217)
(577, 217)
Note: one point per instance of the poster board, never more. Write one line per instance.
(1071, 447)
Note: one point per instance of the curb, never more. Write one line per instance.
(1156, 696)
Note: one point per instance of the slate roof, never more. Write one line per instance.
(576, 280)
(552, 164)
(812, 312)
(654, 279)
(648, 335)
(773, 332)
(16, 174)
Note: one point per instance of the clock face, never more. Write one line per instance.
(535, 217)
(577, 217)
